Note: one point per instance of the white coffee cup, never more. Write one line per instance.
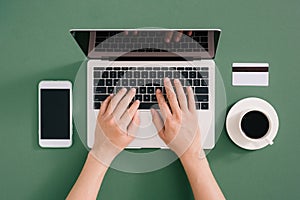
(259, 118)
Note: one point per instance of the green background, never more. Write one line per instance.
(35, 44)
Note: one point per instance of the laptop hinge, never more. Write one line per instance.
(148, 58)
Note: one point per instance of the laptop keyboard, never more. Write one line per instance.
(146, 80)
(149, 41)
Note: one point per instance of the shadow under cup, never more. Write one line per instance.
(255, 124)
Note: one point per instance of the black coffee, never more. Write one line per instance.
(255, 124)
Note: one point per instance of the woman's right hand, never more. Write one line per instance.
(178, 126)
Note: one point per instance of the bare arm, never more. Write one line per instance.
(89, 180)
(178, 128)
(202, 180)
(115, 129)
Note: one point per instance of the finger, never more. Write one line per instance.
(135, 32)
(126, 118)
(115, 101)
(158, 123)
(134, 125)
(123, 104)
(181, 96)
(168, 36)
(104, 105)
(190, 33)
(164, 108)
(125, 32)
(191, 99)
(178, 36)
(171, 97)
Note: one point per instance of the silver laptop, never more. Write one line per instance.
(142, 59)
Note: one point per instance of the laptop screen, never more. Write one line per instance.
(137, 43)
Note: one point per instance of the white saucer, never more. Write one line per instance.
(233, 117)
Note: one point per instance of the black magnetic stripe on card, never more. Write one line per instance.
(250, 69)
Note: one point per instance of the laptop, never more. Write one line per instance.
(141, 58)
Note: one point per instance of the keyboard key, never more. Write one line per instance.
(168, 74)
(136, 74)
(160, 74)
(176, 74)
(100, 90)
(128, 74)
(204, 68)
(184, 74)
(98, 82)
(146, 105)
(99, 68)
(150, 90)
(153, 98)
(152, 74)
(202, 75)
(201, 90)
(140, 82)
(204, 82)
(118, 89)
(120, 74)
(197, 106)
(201, 98)
(144, 74)
(192, 74)
(105, 74)
(113, 74)
(124, 82)
(132, 82)
(146, 97)
(97, 105)
(204, 106)
(143, 90)
(156, 82)
(149, 82)
(138, 97)
(116, 82)
(108, 82)
(110, 90)
(196, 82)
(100, 97)
(97, 74)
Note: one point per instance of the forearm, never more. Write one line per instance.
(89, 180)
(202, 181)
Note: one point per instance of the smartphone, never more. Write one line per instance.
(55, 114)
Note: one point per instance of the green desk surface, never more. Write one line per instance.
(35, 45)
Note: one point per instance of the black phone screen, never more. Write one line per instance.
(55, 114)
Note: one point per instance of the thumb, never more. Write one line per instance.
(134, 125)
(158, 123)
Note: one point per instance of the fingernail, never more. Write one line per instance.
(124, 89)
(133, 89)
(158, 91)
(177, 39)
(167, 79)
(137, 101)
(167, 40)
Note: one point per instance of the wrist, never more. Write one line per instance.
(193, 155)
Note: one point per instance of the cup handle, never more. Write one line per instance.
(270, 142)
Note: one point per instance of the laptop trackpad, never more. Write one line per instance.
(146, 128)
